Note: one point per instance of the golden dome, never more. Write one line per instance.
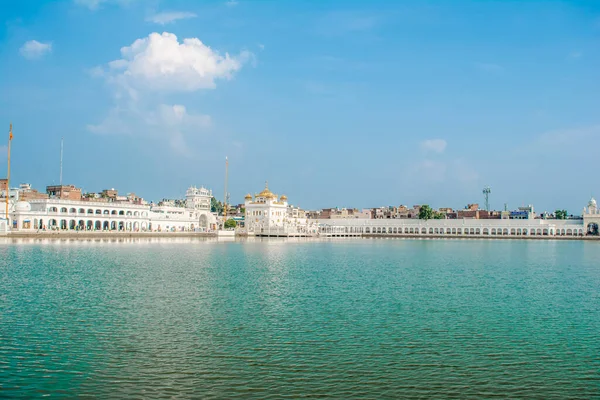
(283, 198)
(266, 193)
(248, 197)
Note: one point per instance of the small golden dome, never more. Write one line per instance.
(248, 197)
(283, 198)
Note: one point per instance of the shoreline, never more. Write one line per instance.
(206, 235)
(92, 235)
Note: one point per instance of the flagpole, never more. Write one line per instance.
(10, 136)
(225, 199)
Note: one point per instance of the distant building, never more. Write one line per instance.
(523, 213)
(109, 212)
(64, 192)
(270, 215)
(26, 193)
(591, 218)
(343, 213)
(109, 193)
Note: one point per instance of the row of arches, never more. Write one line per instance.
(91, 211)
(332, 230)
(88, 225)
(97, 225)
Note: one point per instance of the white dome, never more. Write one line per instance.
(22, 206)
(592, 202)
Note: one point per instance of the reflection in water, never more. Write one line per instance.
(260, 318)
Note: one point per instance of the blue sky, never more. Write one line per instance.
(336, 103)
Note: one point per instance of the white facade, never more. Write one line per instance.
(56, 214)
(452, 227)
(591, 218)
(270, 215)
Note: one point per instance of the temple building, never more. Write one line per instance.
(268, 214)
(65, 209)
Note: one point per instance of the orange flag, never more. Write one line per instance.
(10, 135)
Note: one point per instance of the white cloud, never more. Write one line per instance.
(434, 145)
(168, 17)
(170, 122)
(33, 49)
(152, 68)
(231, 3)
(160, 63)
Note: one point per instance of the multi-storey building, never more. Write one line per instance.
(110, 212)
(270, 215)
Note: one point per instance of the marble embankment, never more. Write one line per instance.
(109, 234)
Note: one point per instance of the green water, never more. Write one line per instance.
(271, 319)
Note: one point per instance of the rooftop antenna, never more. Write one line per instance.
(486, 192)
(225, 196)
(61, 158)
(10, 137)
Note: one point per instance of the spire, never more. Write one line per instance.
(266, 185)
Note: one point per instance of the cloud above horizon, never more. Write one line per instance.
(33, 50)
(434, 145)
(160, 62)
(173, 122)
(152, 67)
(169, 17)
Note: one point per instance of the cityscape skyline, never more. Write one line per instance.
(338, 104)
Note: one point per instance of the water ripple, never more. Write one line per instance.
(346, 319)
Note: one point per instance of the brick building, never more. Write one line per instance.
(64, 192)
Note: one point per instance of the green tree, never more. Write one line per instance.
(230, 223)
(216, 206)
(561, 214)
(439, 215)
(425, 212)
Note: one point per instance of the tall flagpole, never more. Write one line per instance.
(225, 200)
(10, 136)
(61, 158)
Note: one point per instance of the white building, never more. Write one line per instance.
(591, 218)
(123, 216)
(270, 215)
(586, 226)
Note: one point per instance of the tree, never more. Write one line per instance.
(439, 215)
(230, 223)
(561, 214)
(216, 206)
(425, 212)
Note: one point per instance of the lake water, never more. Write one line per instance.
(382, 318)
